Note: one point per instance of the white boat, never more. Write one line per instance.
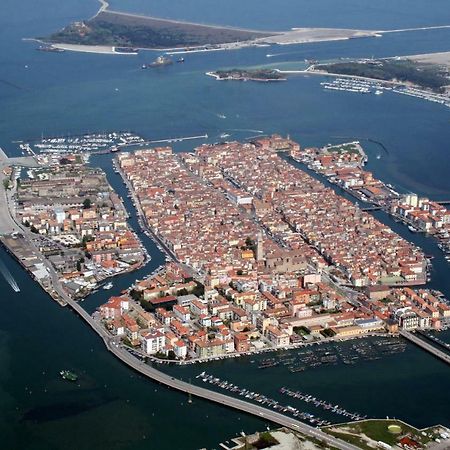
(378, 92)
(108, 286)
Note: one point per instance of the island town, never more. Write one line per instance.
(254, 262)
(260, 256)
(260, 262)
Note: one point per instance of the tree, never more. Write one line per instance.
(249, 242)
(136, 295)
(86, 239)
(87, 203)
(64, 161)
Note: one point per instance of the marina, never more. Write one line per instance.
(87, 143)
(94, 143)
(327, 406)
(355, 85)
(366, 86)
(263, 400)
(325, 354)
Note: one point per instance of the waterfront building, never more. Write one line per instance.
(153, 341)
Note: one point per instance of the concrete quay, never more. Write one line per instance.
(23, 161)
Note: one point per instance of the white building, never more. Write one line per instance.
(180, 349)
(153, 342)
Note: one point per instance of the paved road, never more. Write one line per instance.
(7, 223)
(425, 346)
(207, 394)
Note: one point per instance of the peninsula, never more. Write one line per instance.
(126, 30)
(421, 72)
(119, 32)
(260, 263)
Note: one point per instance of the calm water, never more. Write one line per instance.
(285, 14)
(73, 93)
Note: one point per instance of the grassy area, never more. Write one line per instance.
(348, 148)
(265, 440)
(301, 331)
(376, 430)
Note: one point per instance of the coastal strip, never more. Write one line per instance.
(206, 394)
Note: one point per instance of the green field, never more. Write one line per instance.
(377, 430)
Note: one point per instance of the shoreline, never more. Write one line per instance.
(419, 93)
(295, 35)
(290, 347)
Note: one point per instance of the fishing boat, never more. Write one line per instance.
(68, 375)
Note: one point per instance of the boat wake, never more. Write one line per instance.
(273, 55)
(248, 129)
(8, 277)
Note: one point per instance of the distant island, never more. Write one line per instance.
(248, 75)
(109, 28)
(424, 75)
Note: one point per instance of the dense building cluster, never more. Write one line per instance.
(258, 244)
(171, 315)
(79, 224)
(363, 249)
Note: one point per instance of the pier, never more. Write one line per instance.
(178, 139)
(425, 346)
